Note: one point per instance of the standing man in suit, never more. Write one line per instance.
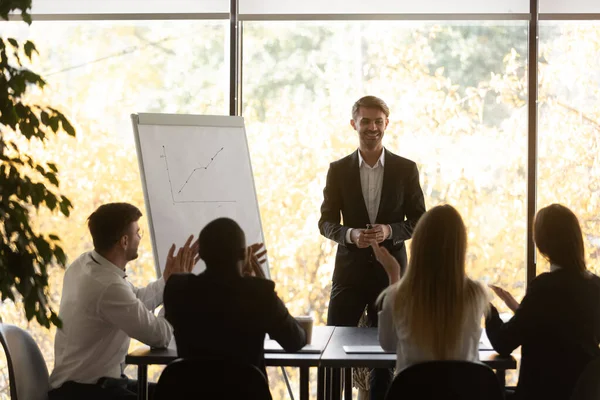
(379, 198)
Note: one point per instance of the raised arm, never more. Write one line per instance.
(507, 336)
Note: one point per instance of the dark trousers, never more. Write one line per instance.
(105, 389)
(346, 306)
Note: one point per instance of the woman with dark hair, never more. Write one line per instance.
(558, 322)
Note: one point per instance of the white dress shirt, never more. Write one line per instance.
(100, 311)
(371, 182)
(393, 335)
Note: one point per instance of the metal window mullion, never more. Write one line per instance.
(123, 17)
(532, 136)
(387, 17)
(234, 58)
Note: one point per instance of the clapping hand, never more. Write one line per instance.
(254, 260)
(506, 297)
(390, 264)
(185, 259)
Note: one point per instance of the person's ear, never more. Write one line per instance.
(387, 121)
(353, 124)
(124, 241)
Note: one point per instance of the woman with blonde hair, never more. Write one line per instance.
(434, 312)
(557, 324)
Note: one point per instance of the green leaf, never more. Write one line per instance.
(51, 201)
(29, 49)
(60, 255)
(26, 129)
(45, 118)
(53, 237)
(13, 42)
(65, 207)
(55, 320)
(52, 166)
(26, 16)
(52, 178)
(67, 125)
(54, 121)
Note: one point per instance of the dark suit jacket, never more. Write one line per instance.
(227, 317)
(557, 326)
(401, 206)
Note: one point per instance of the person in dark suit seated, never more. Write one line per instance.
(223, 313)
(557, 324)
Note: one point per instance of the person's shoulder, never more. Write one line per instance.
(545, 278)
(399, 160)
(595, 279)
(178, 282)
(479, 288)
(259, 284)
(345, 160)
(546, 282)
(592, 279)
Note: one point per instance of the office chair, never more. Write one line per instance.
(588, 384)
(216, 379)
(448, 380)
(27, 371)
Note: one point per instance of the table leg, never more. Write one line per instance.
(348, 383)
(142, 382)
(501, 375)
(304, 392)
(336, 383)
(328, 372)
(321, 383)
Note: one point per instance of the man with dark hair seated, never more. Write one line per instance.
(100, 310)
(223, 312)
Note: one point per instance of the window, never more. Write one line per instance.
(457, 95)
(133, 7)
(99, 73)
(569, 7)
(458, 101)
(251, 9)
(569, 126)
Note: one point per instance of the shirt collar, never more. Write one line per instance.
(98, 259)
(380, 161)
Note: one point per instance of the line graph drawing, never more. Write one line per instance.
(166, 158)
(199, 168)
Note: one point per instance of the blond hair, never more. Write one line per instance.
(370, 102)
(435, 299)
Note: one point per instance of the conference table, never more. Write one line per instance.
(326, 351)
(336, 359)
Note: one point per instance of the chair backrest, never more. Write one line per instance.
(588, 384)
(211, 379)
(27, 369)
(448, 380)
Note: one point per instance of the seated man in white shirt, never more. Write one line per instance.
(100, 310)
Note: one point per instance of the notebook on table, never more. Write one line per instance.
(271, 346)
(371, 349)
